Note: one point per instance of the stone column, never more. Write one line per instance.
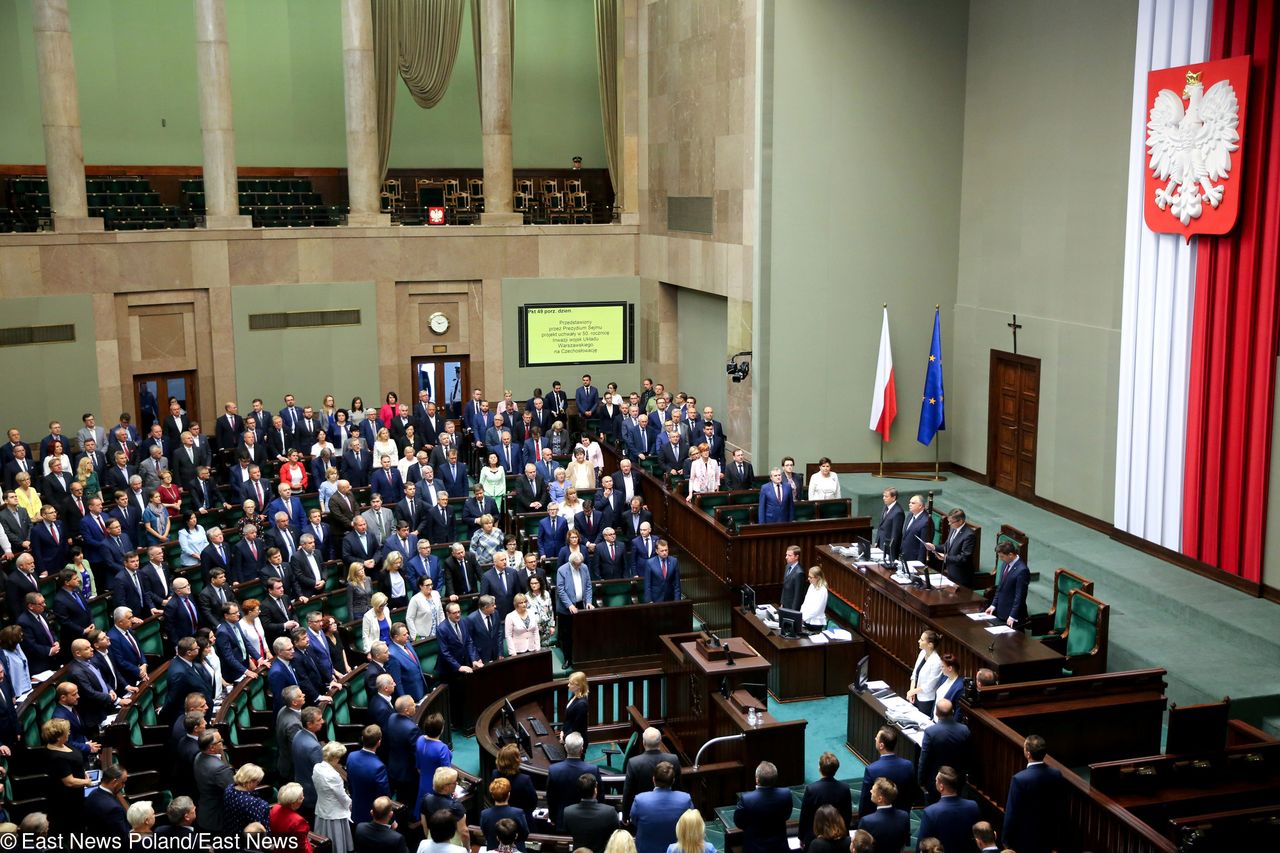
(363, 179)
(495, 113)
(60, 107)
(217, 131)
(629, 107)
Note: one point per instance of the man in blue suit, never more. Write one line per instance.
(487, 629)
(1033, 813)
(662, 576)
(552, 531)
(289, 505)
(181, 617)
(114, 546)
(282, 674)
(889, 826)
(453, 475)
(386, 481)
(1010, 603)
(891, 766)
(654, 813)
(233, 651)
(93, 531)
(777, 503)
(951, 818)
(49, 543)
(185, 677)
(762, 814)
(562, 780)
(124, 650)
(456, 652)
(366, 775)
(425, 564)
(946, 743)
(411, 680)
(402, 735)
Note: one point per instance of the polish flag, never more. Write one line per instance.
(884, 399)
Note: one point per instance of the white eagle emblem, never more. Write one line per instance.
(1192, 148)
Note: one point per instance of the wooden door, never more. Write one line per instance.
(446, 380)
(1012, 416)
(153, 391)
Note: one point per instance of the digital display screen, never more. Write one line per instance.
(575, 333)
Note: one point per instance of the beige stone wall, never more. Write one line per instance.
(177, 284)
(697, 132)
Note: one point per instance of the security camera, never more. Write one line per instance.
(738, 370)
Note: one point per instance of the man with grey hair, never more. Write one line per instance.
(307, 568)
(573, 593)
(181, 813)
(126, 654)
(141, 816)
(640, 768)
(764, 812)
(288, 722)
(151, 468)
(487, 629)
(562, 782)
(307, 752)
(382, 702)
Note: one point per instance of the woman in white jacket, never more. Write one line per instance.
(425, 611)
(333, 803)
(925, 674)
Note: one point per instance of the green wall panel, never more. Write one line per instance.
(308, 363)
(703, 332)
(43, 382)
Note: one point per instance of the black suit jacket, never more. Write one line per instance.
(824, 792)
(562, 787)
(229, 435)
(454, 575)
(590, 822)
(372, 837)
(733, 481)
(440, 530)
(960, 557)
(912, 532)
(72, 618)
(794, 586)
(888, 533)
(762, 815)
(526, 494)
(945, 744)
(640, 775)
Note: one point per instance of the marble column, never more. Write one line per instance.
(363, 179)
(495, 113)
(217, 131)
(60, 107)
(629, 107)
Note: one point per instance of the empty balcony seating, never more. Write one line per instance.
(272, 202)
(542, 201)
(123, 203)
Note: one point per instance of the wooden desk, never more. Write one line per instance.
(800, 668)
(616, 638)
(894, 616)
(475, 691)
(866, 716)
(692, 681)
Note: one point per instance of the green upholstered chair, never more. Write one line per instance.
(745, 496)
(740, 513)
(708, 501)
(1084, 642)
(834, 508)
(1054, 622)
(805, 511)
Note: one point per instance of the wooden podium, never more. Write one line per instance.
(707, 689)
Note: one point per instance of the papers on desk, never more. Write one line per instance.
(877, 555)
(1000, 629)
(39, 677)
(981, 616)
(838, 634)
(916, 565)
(819, 639)
(873, 686)
(904, 580)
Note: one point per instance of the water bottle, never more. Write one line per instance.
(751, 717)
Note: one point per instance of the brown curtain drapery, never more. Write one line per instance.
(417, 41)
(607, 59)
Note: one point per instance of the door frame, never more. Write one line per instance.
(993, 414)
(442, 381)
(192, 406)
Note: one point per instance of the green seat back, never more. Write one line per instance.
(426, 650)
(740, 514)
(844, 611)
(744, 497)
(805, 511)
(1064, 583)
(1082, 626)
(708, 501)
(148, 638)
(614, 593)
(834, 509)
(940, 526)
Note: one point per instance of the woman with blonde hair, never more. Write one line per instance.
(580, 472)
(384, 446)
(691, 834)
(375, 625)
(240, 805)
(29, 498)
(87, 477)
(704, 472)
(813, 610)
(521, 628)
(285, 820)
(621, 842)
(393, 582)
(359, 590)
(575, 713)
(333, 803)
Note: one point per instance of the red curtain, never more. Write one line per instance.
(1235, 335)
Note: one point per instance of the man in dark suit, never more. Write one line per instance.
(462, 575)
(49, 544)
(403, 663)
(456, 649)
(367, 776)
(382, 699)
(643, 548)
(917, 530)
(654, 813)
(116, 478)
(946, 743)
(794, 581)
(185, 677)
(10, 447)
(356, 464)
(589, 821)
(1010, 603)
(248, 556)
(888, 534)
(501, 583)
(234, 654)
(379, 835)
(674, 453)
(213, 774)
(386, 481)
(402, 735)
(176, 423)
(476, 506)
(640, 769)
(20, 581)
(185, 752)
(610, 556)
(307, 567)
(531, 568)
(212, 597)
(277, 615)
(38, 641)
(229, 427)
(15, 523)
(610, 503)
(440, 521)
(104, 813)
(70, 608)
(777, 503)
(181, 616)
(453, 474)
(486, 629)
(951, 818)
(662, 576)
(956, 551)
(56, 485)
(589, 523)
(824, 792)
(639, 439)
(739, 474)
(893, 767)
(563, 788)
(360, 546)
(125, 651)
(97, 698)
(762, 814)
(129, 516)
(129, 588)
(889, 826)
(1033, 813)
(633, 518)
(411, 509)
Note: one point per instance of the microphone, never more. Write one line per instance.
(992, 647)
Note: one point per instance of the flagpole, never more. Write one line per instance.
(937, 438)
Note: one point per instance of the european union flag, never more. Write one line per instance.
(932, 414)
